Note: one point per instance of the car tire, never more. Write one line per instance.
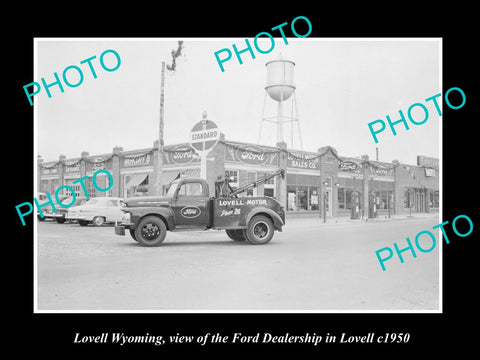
(98, 221)
(83, 222)
(132, 234)
(40, 218)
(61, 220)
(236, 235)
(150, 231)
(260, 230)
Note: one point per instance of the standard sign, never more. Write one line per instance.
(204, 136)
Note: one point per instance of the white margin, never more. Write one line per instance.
(173, 39)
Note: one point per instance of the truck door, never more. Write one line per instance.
(190, 204)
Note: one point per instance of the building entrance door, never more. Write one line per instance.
(419, 199)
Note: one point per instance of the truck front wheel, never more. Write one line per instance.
(236, 235)
(151, 231)
(132, 233)
(260, 230)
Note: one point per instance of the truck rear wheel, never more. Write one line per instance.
(236, 235)
(260, 230)
(151, 231)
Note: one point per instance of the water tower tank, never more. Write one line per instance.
(280, 85)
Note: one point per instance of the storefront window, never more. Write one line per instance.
(341, 198)
(345, 190)
(269, 187)
(76, 188)
(314, 198)
(434, 199)
(233, 178)
(90, 187)
(269, 192)
(302, 192)
(383, 194)
(135, 184)
(44, 186)
(53, 186)
(302, 197)
(291, 198)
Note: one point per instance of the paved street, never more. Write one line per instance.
(310, 266)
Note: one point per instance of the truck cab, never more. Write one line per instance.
(189, 206)
(190, 203)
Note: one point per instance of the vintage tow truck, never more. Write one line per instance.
(188, 206)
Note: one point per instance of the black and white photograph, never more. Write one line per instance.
(268, 179)
(286, 166)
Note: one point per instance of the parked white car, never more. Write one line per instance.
(97, 211)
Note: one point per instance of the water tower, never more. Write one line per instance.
(280, 89)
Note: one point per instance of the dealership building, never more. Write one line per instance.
(323, 182)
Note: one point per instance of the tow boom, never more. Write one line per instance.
(223, 188)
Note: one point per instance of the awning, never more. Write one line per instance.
(169, 176)
(136, 179)
(191, 172)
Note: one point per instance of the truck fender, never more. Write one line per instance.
(277, 220)
(164, 212)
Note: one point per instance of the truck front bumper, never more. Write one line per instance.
(120, 228)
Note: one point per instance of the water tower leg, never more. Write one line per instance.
(279, 122)
(263, 117)
(291, 126)
(298, 122)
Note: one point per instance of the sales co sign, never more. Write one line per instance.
(204, 136)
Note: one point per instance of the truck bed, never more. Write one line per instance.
(230, 212)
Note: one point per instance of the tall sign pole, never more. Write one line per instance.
(203, 138)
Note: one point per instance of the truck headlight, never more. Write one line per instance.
(126, 217)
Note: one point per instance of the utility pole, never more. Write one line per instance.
(158, 180)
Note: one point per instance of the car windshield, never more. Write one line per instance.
(172, 188)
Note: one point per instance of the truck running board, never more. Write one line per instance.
(189, 228)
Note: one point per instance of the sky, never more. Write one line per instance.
(341, 86)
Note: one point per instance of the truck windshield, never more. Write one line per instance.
(172, 188)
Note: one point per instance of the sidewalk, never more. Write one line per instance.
(392, 217)
(381, 218)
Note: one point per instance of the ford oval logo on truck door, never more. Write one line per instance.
(190, 212)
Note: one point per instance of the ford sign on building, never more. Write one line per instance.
(315, 180)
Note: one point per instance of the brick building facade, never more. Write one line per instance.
(315, 182)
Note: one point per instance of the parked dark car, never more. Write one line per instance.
(61, 213)
(47, 210)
